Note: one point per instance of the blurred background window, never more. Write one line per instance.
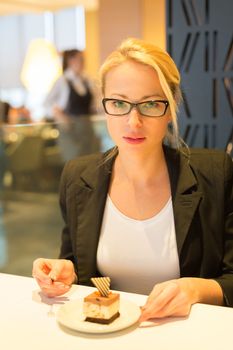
(32, 44)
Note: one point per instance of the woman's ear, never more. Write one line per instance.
(169, 119)
(170, 124)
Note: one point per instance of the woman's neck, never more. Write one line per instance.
(140, 169)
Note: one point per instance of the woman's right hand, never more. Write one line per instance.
(54, 276)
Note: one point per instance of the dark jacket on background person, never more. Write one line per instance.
(79, 105)
(202, 196)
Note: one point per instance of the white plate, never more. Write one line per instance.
(71, 315)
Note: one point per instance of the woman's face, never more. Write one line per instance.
(76, 63)
(135, 82)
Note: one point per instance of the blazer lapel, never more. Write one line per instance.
(185, 196)
(91, 195)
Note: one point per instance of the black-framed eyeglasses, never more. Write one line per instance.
(153, 108)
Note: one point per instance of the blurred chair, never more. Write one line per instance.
(25, 161)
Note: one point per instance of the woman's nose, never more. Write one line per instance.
(134, 119)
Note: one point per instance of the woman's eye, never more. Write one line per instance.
(119, 104)
(151, 104)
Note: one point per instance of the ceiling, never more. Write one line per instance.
(8, 7)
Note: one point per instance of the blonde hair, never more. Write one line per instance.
(169, 77)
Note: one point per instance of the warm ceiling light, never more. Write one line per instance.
(41, 67)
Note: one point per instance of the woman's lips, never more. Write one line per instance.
(134, 140)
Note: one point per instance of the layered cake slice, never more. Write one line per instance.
(101, 306)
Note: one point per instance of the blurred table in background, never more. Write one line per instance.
(34, 156)
(31, 162)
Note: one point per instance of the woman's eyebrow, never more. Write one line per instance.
(153, 96)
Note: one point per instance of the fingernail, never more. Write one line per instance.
(53, 276)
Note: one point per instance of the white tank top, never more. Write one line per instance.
(137, 254)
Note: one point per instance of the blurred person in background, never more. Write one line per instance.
(4, 112)
(71, 102)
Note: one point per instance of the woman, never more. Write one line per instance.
(71, 101)
(155, 217)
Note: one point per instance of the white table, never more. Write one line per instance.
(28, 322)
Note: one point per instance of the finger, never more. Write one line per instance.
(57, 269)
(160, 287)
(52, 286)
(156, 305)
(55, 290)
(179, 306)
(41, 269)
(43, 283)
(63, 271)
(161, 294)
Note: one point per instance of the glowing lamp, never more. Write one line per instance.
(41, 67)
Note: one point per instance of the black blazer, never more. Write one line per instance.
(202, 197)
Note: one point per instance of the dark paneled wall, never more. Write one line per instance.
(200, 40)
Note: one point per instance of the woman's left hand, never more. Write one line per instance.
(175, 297)
(170, 298)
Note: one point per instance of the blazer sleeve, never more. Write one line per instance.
(66, 249)
(226, 279)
